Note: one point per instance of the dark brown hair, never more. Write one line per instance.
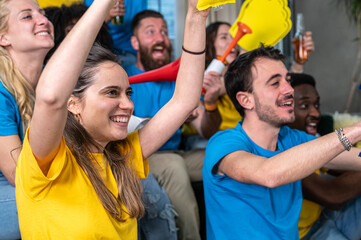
(116, 152)
(238, 77)
(211, 34)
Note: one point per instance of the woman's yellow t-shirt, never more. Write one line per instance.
(63, 204)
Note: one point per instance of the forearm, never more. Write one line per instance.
(188, 86)
(211, 121)
(289, 166)
(332, 193)
(190, 74)
(57, 83)
(64, 67)
(310, 156)
(10, 147)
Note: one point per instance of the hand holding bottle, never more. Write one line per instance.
(116, 14)
(302, 42)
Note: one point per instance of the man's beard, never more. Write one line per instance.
(147, 60)
(268, 115)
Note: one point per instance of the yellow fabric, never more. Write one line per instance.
(63, 204)
(229, 114)
(204, 4)
(188, 130)
(57, 3)
(310, 213)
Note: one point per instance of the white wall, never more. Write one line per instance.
(332, 62)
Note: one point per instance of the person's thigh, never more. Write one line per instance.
(328, 231)
(194, 162)
(348, 219)
(158, 221)
(170, 171)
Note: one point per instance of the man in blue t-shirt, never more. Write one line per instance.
(173, 169)
(252, 173)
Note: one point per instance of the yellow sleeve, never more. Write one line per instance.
(29, 175)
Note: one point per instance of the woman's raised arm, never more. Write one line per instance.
(57, 83)
(188, 84)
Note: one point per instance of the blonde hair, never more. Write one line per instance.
(11, 77)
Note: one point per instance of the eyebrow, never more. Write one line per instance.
(110, 87)
(115, 87)
(307, 97)
(273, 77)
(26, 10)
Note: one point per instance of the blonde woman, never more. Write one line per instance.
(26, 36)
(77, 174)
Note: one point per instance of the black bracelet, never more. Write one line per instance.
(195, 53)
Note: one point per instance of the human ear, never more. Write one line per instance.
(246, 100)
(3, 41)
(135, 43)
(73, 105)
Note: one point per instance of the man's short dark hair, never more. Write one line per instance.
(144, 14)
(238, 77)
(302, 78)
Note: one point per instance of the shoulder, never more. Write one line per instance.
(229, 136)
(225, 142)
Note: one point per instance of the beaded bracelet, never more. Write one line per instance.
(343, 139)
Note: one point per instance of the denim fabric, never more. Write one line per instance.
(338, 224)
(9, 225)
(194, 142)
(158, 222)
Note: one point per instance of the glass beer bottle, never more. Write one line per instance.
(301, 54)
(117, 20)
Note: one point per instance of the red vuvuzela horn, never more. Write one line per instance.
(166, 73)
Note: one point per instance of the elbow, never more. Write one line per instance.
(49, 98)
(271, 183)
(270, 180)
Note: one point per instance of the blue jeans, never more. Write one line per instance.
(338, 224)
(9, 224)
(158, 222)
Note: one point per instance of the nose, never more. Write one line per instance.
(42, 20)
(159, 37)
(126, 104)
(287, 89)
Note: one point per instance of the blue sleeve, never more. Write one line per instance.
(222, 144)
(9, 115)
(88, 2)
